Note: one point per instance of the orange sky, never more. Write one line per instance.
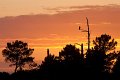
(44, 24)
(21, 7)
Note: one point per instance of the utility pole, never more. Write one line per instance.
(48, 53)
(88, 35)
(88, 31)
(82, 49)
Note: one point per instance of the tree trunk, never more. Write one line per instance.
(20, 68)
(16, 67)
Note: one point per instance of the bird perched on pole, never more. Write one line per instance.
(79, 28)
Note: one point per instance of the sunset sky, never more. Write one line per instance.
(54, 23)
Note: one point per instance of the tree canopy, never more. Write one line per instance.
(19, 54)
(102, 53)
(69, 53)
(104, 43)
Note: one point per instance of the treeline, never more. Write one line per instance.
(101, 62)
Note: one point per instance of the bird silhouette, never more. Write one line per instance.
(79, 28)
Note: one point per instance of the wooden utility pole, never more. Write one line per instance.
(88, 35)
(82, 49)
(88, 31)
(48, 53)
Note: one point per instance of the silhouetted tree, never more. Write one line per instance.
(104, 43)
(71, 60)
(49, 60)
(50, 67)
(116, 68)
(110, 61)
(64, 66)
(18, 54)
(99, 58)
(70, 54)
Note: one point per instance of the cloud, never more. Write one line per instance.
(41, 42)
(106, 23)
(33, 25)
(65, 9)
